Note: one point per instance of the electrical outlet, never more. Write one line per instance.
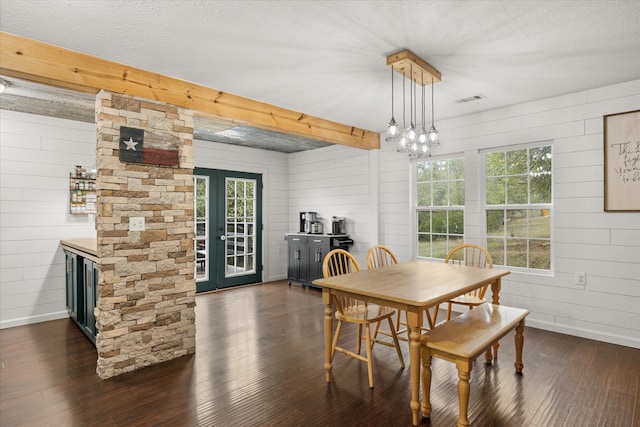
(136, 223)
(580, 278)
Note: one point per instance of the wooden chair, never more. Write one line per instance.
(474, 256)
(352, 310)
(377, 257)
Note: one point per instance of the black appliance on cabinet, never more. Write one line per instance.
(306, 254)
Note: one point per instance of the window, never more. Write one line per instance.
(439, 206)
(518, 206)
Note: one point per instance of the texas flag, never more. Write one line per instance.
(152, 148)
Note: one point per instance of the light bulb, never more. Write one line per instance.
(411, 133)
(393, 127)
(434, 139)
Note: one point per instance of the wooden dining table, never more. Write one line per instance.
(413, 286)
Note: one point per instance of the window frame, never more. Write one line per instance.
(484, 207)
(416, 209)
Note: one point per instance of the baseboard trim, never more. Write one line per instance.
(584, 333)
(33, 319)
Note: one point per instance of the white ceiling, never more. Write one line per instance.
(328, 58)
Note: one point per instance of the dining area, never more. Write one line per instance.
(413, 291)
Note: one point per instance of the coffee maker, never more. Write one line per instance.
(309, 222)
(338, 225)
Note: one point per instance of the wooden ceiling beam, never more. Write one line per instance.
(44, 63)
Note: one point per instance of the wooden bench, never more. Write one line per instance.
(461, 340)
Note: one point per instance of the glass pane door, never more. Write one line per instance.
(201, 241)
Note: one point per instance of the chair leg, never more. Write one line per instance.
(375, 334)
(335, 339)
(369, 355)
(449, 312)
(432, 320)
(396, 342)
(359, 338)
(426, 384)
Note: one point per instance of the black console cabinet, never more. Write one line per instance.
(306, 253)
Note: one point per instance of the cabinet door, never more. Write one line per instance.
(90, 284)
(71, 260)
(297, 258)
(318, 249)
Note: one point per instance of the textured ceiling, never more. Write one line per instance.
(327, 58)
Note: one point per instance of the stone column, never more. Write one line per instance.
(146, 290)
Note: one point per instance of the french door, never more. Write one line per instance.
(228, 228)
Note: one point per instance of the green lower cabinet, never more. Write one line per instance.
(90, 293)
(82, 292)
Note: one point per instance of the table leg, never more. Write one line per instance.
(414, 323)
(328, 329)
(495, 296)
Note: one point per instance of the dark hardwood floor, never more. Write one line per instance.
(259, 362)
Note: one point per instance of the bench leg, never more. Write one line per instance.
(519, 345)
(463, 397)
(426, 384)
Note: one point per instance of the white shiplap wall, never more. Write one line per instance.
(273, 167)
(604, 245)
(373, 190)
(36, 155)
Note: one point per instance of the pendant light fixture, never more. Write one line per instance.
(393, 126)
(434, 139)
(415, 143)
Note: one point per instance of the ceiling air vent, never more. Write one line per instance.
(470, 98)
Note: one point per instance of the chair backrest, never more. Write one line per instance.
(336, 263)
(473, 256)
(380, 256)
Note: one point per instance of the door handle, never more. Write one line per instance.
(223, 237)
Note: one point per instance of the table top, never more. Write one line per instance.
(416, 283)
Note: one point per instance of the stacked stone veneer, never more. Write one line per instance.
(146, 290)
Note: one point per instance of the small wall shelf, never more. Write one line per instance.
(82, 192)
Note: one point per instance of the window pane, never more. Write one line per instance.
(517, 192)
(517, 253)
(495, 191)
(517, 162)
(424, 194)
(456, 169)
(423, 171)
(540, 254)
(495, 247)
(456, 195)
(440, 194)
(540, 159)
(424, 245)
(455, 241)
(541, 188)
(494, 164)
(516, 223)
(439, 248)
(440, 170)
(456, 222)
(539, 223)
(439, 221)
(424, 223)
(495, 222)
(201, 229)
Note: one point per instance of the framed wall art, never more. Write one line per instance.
(622, 162)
